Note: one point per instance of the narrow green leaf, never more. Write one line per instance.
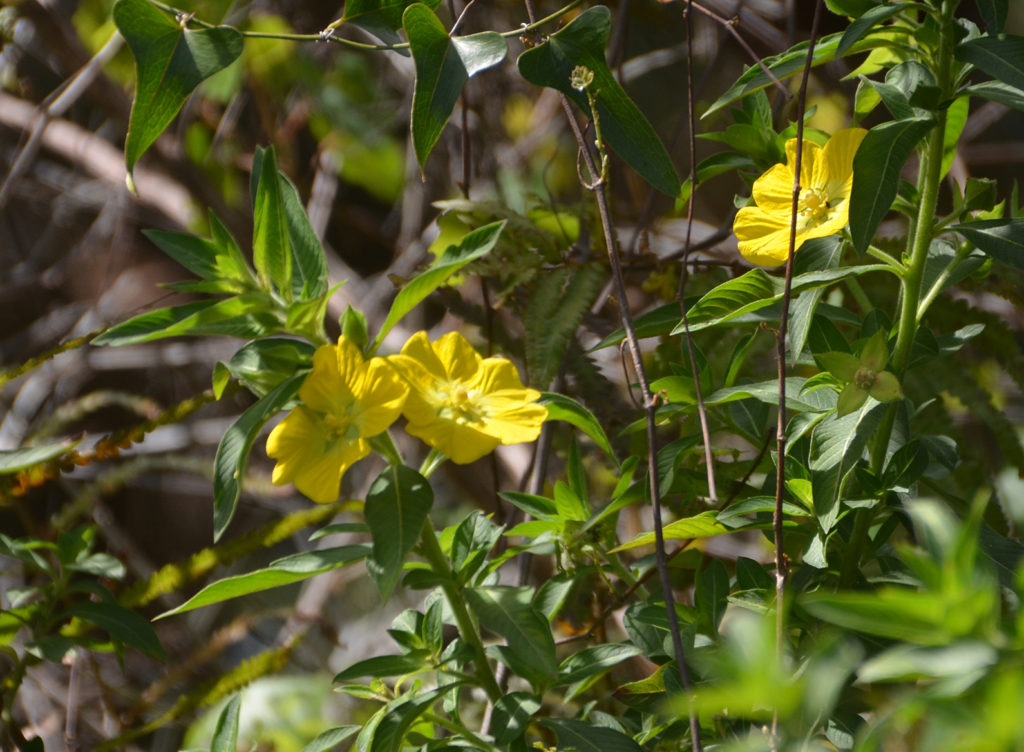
(170, 62)
(331, 738)
(474, 245)
(396, 508)
(382, 18)
(565, 408)
(584, 737)
(1002, 57)
(384, 665)
(198, 255)
(876, 174)
(509, 612)
(225, 735)
(537, 506)
(122, 624)
(703, 525)
(271, 245)
(861, 26)
(309, 265)
(290, 569)
(893, 612)
(15, 460)
(625, 129)
(993, 13)
(233, 450)
(836, 446)
(768, 393)
(443, 65)
(594, 660)
(711, 595)
(511, 716)
(1002, 239)
(399, 717)
(997, 91)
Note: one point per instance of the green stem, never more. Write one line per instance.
(885, 258)
(432, 552)
(962, 253)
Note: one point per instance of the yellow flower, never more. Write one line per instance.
(345, 400)
(461, 404)
(826, 178)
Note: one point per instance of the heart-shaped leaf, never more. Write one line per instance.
(443, 65)
(624, 127)
(171, 61)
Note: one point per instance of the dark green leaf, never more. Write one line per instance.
(123, 625)
(583, 737)
(170, 62)
(856, 30)
(594, 660)
(382, 18)
(997, 91)
(509, 612)
(399, 716)
(537, 506)
(1002, 239)
(384, 665)
(711, 595)
(271, 245)
(233, 450)
(290, 569)
(626, 130)
(309, 265)
(225, 735)
(474, 537)
(876, 174)
(197, 255)
(768, 393)
(511, 716)
(443, 65)
(264, 363)
(565, 408)
(994, 13)
(396, 508)
(474, 245)
(1002, 57)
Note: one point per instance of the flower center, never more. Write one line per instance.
(864, 378)
(338, 426)
(459, 404)
(814, 203)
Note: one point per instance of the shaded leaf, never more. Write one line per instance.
(15, 460)
(1002, 57)
(565, 408)
(382, 18)
(584, 737)
(511, 716)
(862, 25)
(225, 735)
(384, 665)
(396, 508)
(170, 62)
(1002, 239)
(122, 624)
(509, 612)
(594, 660)
(582, 43)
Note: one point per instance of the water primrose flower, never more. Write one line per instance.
(826, 178)
(461, 404)
(344, 401)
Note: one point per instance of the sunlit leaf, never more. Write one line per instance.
(396, 508)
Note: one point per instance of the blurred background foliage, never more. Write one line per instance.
(72, 260)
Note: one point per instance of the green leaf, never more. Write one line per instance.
(994, 13)
(509, 612)
(997, 91)
(264, 363)
(537, 506)
(703, 525)
(897, 613)
(396, 508)
(384, 665)
(225, 735)
(876, 174)
(860, 27)
(382, 18)
(710, 596)
(565, 408)
(443, 65)
(170, 62)
(233, 450)
(654, 323)
(1002, 239)
(473, 246)
(1002, 57)
(244, 315)
(511, 716)
(15, 460)
(309, 264)
(625, 129)
(836, 446)
(583, 737)
(290, 569)
(198, 255)
(271, 245)
(399, 717)
(122, 624)
(331, 738)
(594, 660)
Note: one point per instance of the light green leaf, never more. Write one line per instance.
(565, 408)
(582, 43)
(309, 264)
(896, 613)
(384, 665)
(271, 245)
(15, 460)
(594, 660)
(399, 716)
(233, 450)
(703, 525)
(331, 738)
(396, 508)
(443, 65)
(861, 26)
(225, 735)
(170, 62)
(122, 624)
(876, 174)
(290, 569)
(474, 245)
(1002, 57)
(537, 506)
(1002, 239)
